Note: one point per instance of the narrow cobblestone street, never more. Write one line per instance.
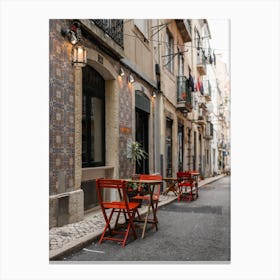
(197, 231)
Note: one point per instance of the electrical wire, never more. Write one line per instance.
(179, 45)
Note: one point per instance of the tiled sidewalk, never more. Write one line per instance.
(65, 238)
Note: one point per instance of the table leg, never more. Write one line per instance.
(196, 187)
(145, 223)
(151, 205)
(169, 185)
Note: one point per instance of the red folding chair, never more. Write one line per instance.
(186, 186)
(122, 206)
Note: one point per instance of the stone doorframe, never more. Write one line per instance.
(108, 72)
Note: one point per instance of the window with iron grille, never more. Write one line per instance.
(113, 28)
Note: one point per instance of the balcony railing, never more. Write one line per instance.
(184, 96)
(113, 28)
(201, 62)
(209, 131)
(207, 90)
(201, 120)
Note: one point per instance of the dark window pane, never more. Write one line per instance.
(93, 118)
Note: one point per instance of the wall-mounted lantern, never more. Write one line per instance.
(79, 55)
(131, 79)
(74, 35)
(121, 72)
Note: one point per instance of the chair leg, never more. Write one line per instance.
(131, 219)
(117, 219)
(130, 225)
(155, 211)
(138, 214)
(107, 226)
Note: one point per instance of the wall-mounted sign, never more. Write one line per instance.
(126, 130)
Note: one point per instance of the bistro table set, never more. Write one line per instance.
(185, 187)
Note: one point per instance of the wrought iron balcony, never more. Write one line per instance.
(184, 26)
(201, 120)
(184, 97)
(113, 28)
(207, 90)
(201, 62)
(222, 145)
(209, 131)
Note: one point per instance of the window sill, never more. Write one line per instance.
(91, 173)
(98, 167)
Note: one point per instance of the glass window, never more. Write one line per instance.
(169, 52)
(142, 25)
(93, 119)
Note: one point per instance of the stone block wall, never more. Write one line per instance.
(65, 204)
(125, 129)
(61, 104)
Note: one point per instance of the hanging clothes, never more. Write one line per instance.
(197, 85)
(190, 83)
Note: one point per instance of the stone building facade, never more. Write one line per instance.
(95, 113)
(142, 81)
(184, 55)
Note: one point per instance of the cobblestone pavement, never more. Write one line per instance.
(66, 237)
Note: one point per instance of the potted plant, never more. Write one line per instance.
(136, 154)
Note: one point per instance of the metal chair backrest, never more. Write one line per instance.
(119, 185)
(184, 176)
